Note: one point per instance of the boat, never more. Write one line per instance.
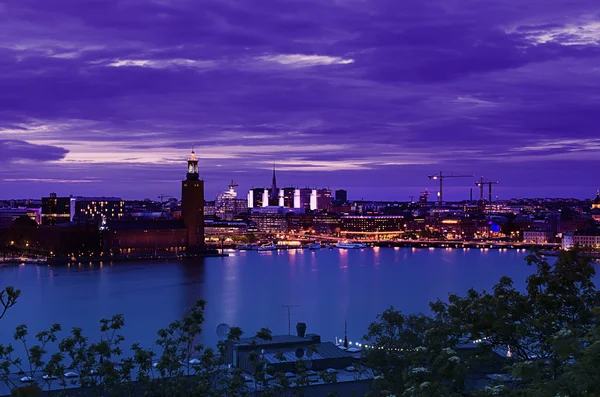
(315, 246)
(269, 247)
(347, 245)
(329, 246)
(248, 247)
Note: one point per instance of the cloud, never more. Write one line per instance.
(334, 92)
(16, 150)
(299, 60)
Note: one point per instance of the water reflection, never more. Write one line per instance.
(248, 289)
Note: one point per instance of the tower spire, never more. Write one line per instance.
(274, 187)
(193, 173)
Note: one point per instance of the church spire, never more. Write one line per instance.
(274, 185)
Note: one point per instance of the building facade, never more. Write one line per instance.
(538, 236)
(85, 209)
(55, 210)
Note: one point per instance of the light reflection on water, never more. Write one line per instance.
(249, 288)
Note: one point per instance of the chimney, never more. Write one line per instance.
(301, 329)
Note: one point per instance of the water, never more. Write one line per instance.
(248, 289)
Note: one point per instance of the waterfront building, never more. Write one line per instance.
(587, 238)
(327, 224)
(192, 205)
(221, 228)
(538, 236)
(377, 226)
(144, 237)
(84, 209)
(269, 223)
(56, 210)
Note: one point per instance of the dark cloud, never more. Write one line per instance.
(15, 150)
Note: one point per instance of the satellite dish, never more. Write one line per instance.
(299, 352)
(308, 364)
(223, 330)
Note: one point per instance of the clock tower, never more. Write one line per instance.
(192, 206)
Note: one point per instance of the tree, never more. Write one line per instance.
(8, 298)
(551, 331)
(179, 366)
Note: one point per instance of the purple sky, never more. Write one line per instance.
(106, 97)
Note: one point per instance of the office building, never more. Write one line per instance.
(286, 197)
(324, 200)
(258, 197)
(372, 225)
(55, 210)
(303, 198)
(341, 196)
(228, 206)
(86, 209)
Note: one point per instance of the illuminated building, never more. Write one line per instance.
(372, 225)
(324, 200)
(596, 207)
(216, 229)
(538, 236)
(192, 205)
(83, 209)
(55, 210)
(589, 238)
(303, 198)
(9, 215)
(286, 197)
(274, 223)
(258, 197)
(596, 202)
(227, 205)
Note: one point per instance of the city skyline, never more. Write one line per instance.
(371, 97)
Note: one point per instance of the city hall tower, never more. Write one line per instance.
(192, 205)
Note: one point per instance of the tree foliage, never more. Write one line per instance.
(545, 340)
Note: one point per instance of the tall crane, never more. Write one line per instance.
(481, 183)
(233, 185)
(441, 177)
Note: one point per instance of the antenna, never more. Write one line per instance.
(345, 333)
(289, 314)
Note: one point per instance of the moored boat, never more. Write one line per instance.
(315, 246)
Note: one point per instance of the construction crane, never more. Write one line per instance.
(441, 177)
(423, 197)
(481, 183)
(233, 185)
